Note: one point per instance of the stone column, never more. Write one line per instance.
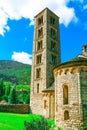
(52, 106)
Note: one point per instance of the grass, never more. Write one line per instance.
(10, 121)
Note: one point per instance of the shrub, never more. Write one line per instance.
(5, 97)
(51, 124)
(59, 128)
(40, 124)
(27, 99)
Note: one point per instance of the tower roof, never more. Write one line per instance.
(48, 10)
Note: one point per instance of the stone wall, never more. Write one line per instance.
(83, 80)
(15, 108)
(49, 110)
(55, 52)
(46, 66)
(36, 102)
(71, 79)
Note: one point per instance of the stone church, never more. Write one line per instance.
(58, 90)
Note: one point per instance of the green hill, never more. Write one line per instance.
(15, 72)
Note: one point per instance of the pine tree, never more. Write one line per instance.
(13, 96)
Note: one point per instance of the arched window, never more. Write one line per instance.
(65, 94)
(66, 115)
(39, 45)
(38, 59)
(40, 32)
(38, 88)
(38, 73)
(40, 20)
(44, 104)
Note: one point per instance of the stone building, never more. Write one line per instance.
(46, 55)
(71, 92)
(58, 90)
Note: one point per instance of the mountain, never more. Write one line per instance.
(15, 72)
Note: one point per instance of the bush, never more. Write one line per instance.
(40, 124)
(5, 97)
(59, 128)
(27, 99)
(52, 124)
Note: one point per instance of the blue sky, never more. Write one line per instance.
(17, 27)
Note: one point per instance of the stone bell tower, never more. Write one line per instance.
(46, 55)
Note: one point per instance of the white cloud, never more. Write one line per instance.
(67, 15)
(85, 25)
(85, 7)
(22, 57)
(16, 9)
(3, 22)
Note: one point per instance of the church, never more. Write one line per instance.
(58, 90)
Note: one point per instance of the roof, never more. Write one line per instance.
(79, 58)
(44, 10)
(78, 61)
(50, 89)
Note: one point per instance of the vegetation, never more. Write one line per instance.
(13, 94)
(40, 124)
(13, 99)
(9, 121)
(1, 87)
(15, 72)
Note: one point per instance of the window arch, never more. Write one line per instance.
(39, 45)
(40, 20)
(38, 73)
(38, 88)
(40, 32)
(45, 104)
(66, 115)
(38, 59)
(65, 94)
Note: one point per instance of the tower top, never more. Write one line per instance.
(48, 10)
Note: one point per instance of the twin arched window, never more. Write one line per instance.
(65, 101)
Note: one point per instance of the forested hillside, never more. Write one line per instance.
(14, 82)
(15, 72)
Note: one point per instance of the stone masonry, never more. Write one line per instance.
(46, 55)
(70, 94)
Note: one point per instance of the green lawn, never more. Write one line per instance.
(9, 121)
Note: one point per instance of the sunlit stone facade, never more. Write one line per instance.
(58, 90)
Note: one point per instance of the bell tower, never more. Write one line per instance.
(46, 55)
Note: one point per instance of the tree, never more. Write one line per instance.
(27, 99)
(1, 87)
(7, 88)
(13, 96)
